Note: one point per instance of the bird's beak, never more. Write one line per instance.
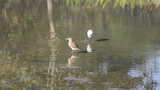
(93, 34)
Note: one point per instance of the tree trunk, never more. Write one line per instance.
(50, 17)
(53, 41)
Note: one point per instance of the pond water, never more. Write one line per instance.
(129, 60)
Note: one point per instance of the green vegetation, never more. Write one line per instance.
(114, 3)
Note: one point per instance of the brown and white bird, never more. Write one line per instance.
(72, 44)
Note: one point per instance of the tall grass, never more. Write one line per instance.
(104, 3)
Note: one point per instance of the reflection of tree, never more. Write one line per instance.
(20, 34)
(23, 38)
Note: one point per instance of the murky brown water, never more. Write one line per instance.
(129, 60)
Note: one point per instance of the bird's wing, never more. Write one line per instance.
(75, 45)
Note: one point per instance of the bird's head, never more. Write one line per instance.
(68, 39)
(89, 33)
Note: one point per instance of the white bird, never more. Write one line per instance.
(89, 33)
(72, 44)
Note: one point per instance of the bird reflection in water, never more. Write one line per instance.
(72, 61)
(89, 48)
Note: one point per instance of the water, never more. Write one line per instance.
(129, 60)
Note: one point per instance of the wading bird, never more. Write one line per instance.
(72, 44)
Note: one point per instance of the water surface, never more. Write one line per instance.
(129, 60)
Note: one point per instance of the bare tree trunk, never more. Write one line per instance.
(53, 40)
(50, 17)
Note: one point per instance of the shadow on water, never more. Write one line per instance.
(85, 52)
(102, 39)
